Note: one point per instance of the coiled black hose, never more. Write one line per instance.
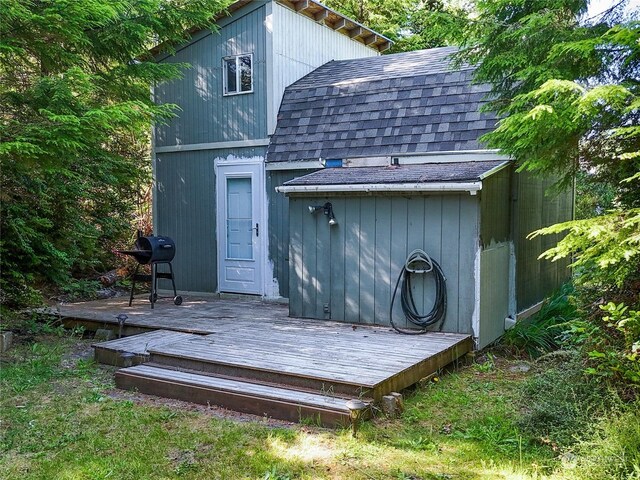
(437, 313)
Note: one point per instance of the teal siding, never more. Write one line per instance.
(494, 293)
(205, 115)
(186, 205)
(352, 267)
(495, 257)
(495, 208)
(534, 209)
(186, 212)
(278, 211)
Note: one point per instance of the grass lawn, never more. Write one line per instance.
(62, 419)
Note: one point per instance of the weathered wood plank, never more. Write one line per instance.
(367, 259)
(109, 353)
(415, 239)
(450, 261)
(256, 341)
(352, 262)
(241, 398)
(337, 261)
(382, 255)
(341, 349)
(309, 227)
(295, 258)
(324, 256)
(422, 369)
(399, 250)
(326, 372)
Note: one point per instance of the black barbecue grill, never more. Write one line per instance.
(153, 251)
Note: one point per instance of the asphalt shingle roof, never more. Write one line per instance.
(422, 173)
(405, 103)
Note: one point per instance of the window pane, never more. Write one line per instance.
(245, 73)
(230, 70)
(239, 219)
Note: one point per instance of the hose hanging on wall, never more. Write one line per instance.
(418, 258)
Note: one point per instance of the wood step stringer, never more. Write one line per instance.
(238, 395)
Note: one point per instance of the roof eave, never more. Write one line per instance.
(340, 23)
(317, 12)
(495, 169)
(227, 12)
(472, 187)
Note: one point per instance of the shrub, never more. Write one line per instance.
(542, 332)
(609, 338)
(620, 356)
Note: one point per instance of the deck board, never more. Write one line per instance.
(327, 359)
(268, 391)
(109, 352)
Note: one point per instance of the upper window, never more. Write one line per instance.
(238, 74)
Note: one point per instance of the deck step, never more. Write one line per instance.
(109, 353)
(236, 394)
(207, 355)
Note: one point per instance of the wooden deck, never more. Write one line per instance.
(249, 356)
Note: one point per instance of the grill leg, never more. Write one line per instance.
(173, 282)
(133, 284)
(154, 284)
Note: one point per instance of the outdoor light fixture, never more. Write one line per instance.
(356, 410)
(327, 209)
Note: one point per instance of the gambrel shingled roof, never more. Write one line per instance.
(404, 103)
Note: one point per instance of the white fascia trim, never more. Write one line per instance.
(260, 142)
(272, 110)
(452, 156)
(494, 169)
(233, 160)
(294, 165)
(471, 187)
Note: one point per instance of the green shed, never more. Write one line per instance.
(404, 169)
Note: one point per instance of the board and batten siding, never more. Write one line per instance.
(495, 208)
(536, 207)
(494, 292)
(300, 45)
(496, 280)
(278, 211)
(186, 212)
(205, 115)
(351, 269)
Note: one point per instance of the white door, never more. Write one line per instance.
(239, 228)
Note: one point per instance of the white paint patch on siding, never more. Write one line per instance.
(301, 45)
(475, 318)
(513, 308)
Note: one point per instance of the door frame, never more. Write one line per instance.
(260, 214)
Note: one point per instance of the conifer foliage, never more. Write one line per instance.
(568, 88)
(75, 115)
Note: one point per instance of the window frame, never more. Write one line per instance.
(225, 82)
